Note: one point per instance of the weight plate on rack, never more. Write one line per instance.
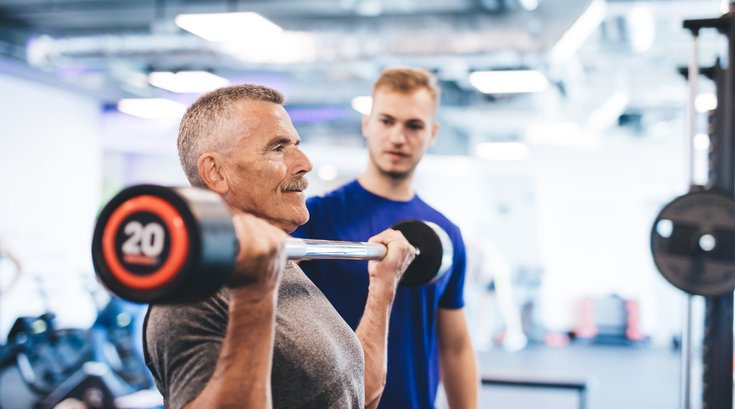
(693, 243)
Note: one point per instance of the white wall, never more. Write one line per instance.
(49, 195)
(595, 210)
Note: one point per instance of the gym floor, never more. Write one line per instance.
(618, 377)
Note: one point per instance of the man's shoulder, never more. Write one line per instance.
(336, 193)
(336, 197)
(431, 214)
(166, 318)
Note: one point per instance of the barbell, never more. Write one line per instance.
(155, 244)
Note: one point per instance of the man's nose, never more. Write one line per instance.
(397, 136)
(301, 163)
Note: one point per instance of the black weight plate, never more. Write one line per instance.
(693, 243)
(431, 262)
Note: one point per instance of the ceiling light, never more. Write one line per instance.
(151, 108)
(705, 102)
(362, 104)
(218, 27)
(642, 28)
(529, 5)
(508, 82)
(289, 47)
(327, 172)
(186, 81)
(701, 142)
(502, 150)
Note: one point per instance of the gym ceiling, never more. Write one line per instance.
(624, 51)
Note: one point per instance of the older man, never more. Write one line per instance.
(274, 339)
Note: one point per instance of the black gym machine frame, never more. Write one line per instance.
(717, 389)
(707, 212)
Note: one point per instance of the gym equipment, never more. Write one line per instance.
(93, 386)
(693, 242)
(691, 238)
(609, 320)
(580, 386)
(160, 244)
(93, 367)
(116, 338)
(44, 354)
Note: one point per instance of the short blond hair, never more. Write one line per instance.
(408, 80)
(210, 116)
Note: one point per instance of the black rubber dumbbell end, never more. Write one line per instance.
(435, 252)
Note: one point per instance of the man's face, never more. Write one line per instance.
(266, 168)
(399, 129)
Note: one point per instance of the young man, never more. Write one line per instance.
(428, 332)
(271, 339)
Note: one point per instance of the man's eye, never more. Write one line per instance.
(279, 148)
(415, 127)
(386, 121)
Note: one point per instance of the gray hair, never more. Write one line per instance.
(210, 116)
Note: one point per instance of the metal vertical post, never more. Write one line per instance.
(686, 355)
(686, 333)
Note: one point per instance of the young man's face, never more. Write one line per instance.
(399, 129)
(266, 169)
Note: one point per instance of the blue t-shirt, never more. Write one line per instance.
(351, 213)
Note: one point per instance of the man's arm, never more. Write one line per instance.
(457, 359)
(242, 376)
(373, 328)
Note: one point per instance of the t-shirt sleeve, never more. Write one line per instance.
(183, 344)
(453, 296)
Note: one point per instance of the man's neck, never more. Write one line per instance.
(378, 183)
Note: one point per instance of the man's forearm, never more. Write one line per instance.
(460, 377)
(373, 335)
(242, 377)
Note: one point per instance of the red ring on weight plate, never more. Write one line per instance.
(177, 231)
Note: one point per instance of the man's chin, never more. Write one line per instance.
(397, 174)
(395, 171)
(300, 220)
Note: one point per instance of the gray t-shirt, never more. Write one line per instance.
(317, 362)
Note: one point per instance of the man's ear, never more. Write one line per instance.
(212, 172)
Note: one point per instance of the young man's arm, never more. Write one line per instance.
(373, 328)
(457, 359)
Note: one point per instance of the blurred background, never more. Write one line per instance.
(555, 178)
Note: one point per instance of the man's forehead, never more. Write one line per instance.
(255, 113)
(392, 103)
(261, 121)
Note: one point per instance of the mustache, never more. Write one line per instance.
(295, 185)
